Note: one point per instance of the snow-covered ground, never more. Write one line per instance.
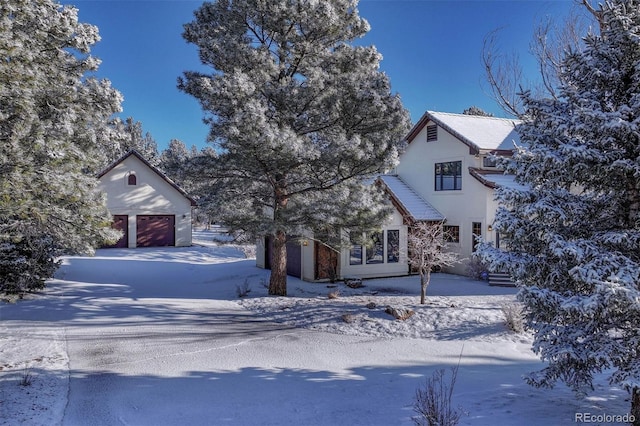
(160, 337)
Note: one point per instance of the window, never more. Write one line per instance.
(355, 254)
(476, 232)
(449, 176)
(132, 180)
(451, 233)
(488, 161)
(393, 246)
(375, 251)
(432, 133)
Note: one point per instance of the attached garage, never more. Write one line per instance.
(294, 256)
(148, 207)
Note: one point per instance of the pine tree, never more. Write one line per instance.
(175, 162)
(127, 135)
(301, 118)
(474, 110)
(53, 117)
(573, 229)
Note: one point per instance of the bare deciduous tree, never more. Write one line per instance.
(426, 243)
(550, 42)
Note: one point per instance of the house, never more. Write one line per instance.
(449, 161)
(147, 206)
(447, 173)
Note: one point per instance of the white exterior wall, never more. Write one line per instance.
(308, 259)
(151, 195)
(378, 270)
(473, 203)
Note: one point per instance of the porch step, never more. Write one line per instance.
(501, 279)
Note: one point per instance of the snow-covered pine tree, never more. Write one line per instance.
(573, 230)
(127, 135)
(53, 118)
(174, 162)
(301, 117)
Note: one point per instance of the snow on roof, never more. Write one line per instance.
(486, 133)
(495, 179)
(410, 201)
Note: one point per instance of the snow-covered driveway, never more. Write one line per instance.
(157, 337)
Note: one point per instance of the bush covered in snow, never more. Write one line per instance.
(434, 402)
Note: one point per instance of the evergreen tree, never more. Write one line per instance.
(127, 135)
(175, 162)
(53, 117)
(301, 118)
(573, 229)
(474, 110)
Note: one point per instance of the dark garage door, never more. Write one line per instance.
(294, 256)
(121, 223)
(155, 230)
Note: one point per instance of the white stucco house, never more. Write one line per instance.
(445, 174)
(146, 205)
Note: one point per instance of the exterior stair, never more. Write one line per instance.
(501, 279)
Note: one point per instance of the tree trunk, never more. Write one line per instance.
(278, 279)
(424, 282)
(635, 406)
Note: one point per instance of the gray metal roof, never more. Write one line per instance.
(411, 201)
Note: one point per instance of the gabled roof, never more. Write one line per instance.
(409, 202)
(478, 132)
(494, 179)
(153, 168)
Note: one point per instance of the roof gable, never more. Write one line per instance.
(164, 177)
(476, 131)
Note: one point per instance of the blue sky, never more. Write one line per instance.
(431, 50)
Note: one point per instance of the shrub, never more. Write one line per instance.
(26, 264)
(27, 377)
(334, 294)
(476, 269)
(244, 289)
(513, 316)
(433, 403)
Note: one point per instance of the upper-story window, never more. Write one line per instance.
(132, 180)
(448, 176)
(488, 161)
(432, 133)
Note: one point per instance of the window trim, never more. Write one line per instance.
(132, 179)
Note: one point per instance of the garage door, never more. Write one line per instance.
(294, 256)
(121, 223)
(155, 231)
